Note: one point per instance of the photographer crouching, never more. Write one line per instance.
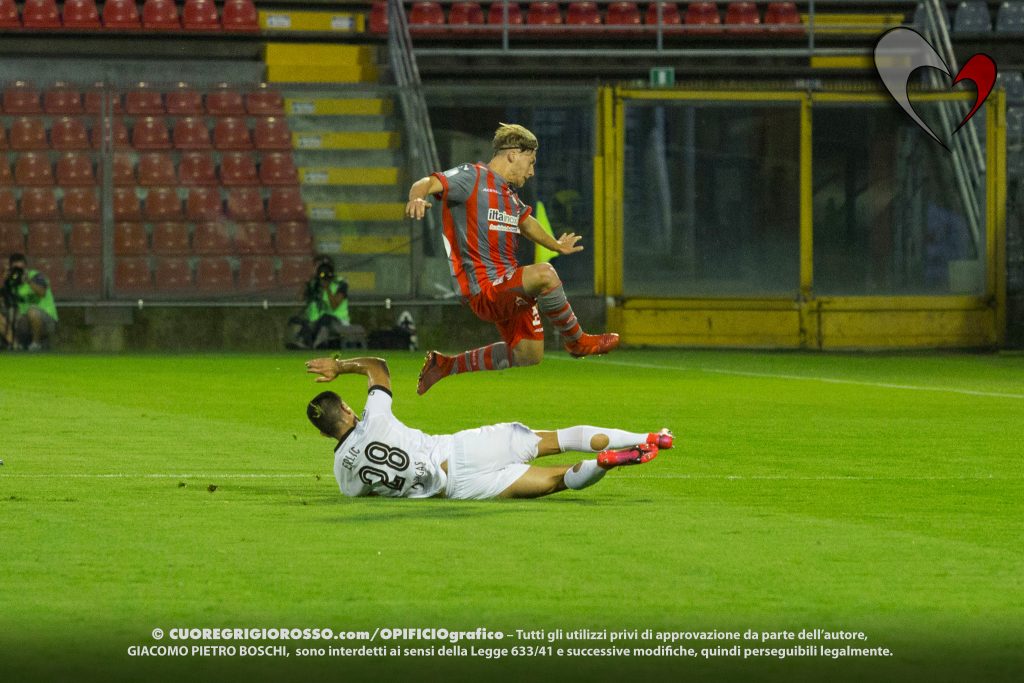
(29, 313)
(325, 322)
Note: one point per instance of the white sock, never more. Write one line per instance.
(583, 474)
(579, 438)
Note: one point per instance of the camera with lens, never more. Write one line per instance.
(324, 274)
(15, 276)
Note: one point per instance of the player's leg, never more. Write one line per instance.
(541, 282)
(543, 481)
(587, 439)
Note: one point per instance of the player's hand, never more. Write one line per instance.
(327, 368)
(567, 243)
(417, 208)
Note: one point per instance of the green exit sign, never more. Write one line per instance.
(663, 76)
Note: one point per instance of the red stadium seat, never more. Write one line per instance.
(94, 100)
(264, 102)
(293, 238)
(425, 17)
(162, 204)
(132, 275)
(742, 14)
(170, 238)
(21, 98)
(238, 168)
(8, 207)
(38, 204)
(191, 132)
(3, 138)
(81, 14)
(200, 15)
(496, 14)
(86, 239)
(81, 204)
(466, 14)
(87, 276)
(28, 133)
(161, 15)
(184, 101)
(172, 274)
(45, 239)
(33, 170)
(12, 238)
(126, 205)
(231, 133)
(782, 17)
(543, 14)
(68, 133)
(123, 169)
(120, 14)
(253, 238)
(130, 239)
(156, 169)
(212, 238)
(256, 274)
(240, 16)
(75, 170)
(285, 204)
(213, 274)
(246, 204)
(6, 177)
(119, 132)
(196, 168)
(150, 133)
(669, 14)
(204, 205)
(55, 270)
(36, 14)
(144, 101)
(294, 271)
(225, 102)
(272, 133)
(62, 99)
(9, 17)
(278, 168)
(622, 14)
(378, 23)
(703, 14)
(583, 14)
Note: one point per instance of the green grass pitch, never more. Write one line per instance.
(872, 493)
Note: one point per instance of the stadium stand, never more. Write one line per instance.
(1010, 18)
(86, 239)
(74, 169)
(172, 274)
(170, 239)
(161, 15)
(972, 16)
(197, 168)
(120, 14)
(81, 14)
(40, 14)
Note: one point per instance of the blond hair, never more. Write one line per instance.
(513, 136)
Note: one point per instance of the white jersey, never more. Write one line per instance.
(381, 456)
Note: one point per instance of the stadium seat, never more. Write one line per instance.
(231, 133)
(246, 204)
(184, 101)
(583, 14)
(94, 100)
(200, 15)
(87, 276)
(117, 129)
(225, 102)
(33, 170)
(972, 17)
(75, 170)
(8, 207)
(45, 239)
(1013, 83)
(204, 205)
(62, 99)
(543, 14)
(123, 169)
(213, 274)
(132, 275)
(156, 169)
(3, 138)
(28, 133)
(150, 133)
(293, 238)
(38, 204)
(264, 102)
(212, 238)
(172, 274)
(190, 132)
(272, 133)
(240, 16)
(126, 205)
(278, 168)
(170, 238)
(425, 17)
(162, 204)
(37, 14)
(12, 237)
(496, 14)
(468, 14)
(196, 168)
(86, 239)
(68, 134)
(143, 101)
(161, 15)
(378, 23)
(702, 14)
(21, 98)
(9, 17)
(742, 14)
(285, 204)
(120, 14)
(622, 14)
(253, 238)
(130, 239)
(256, 274)
(54, 269)
(6, 177)
(238, 168)
(782, 16)
(81, 204)
(81, 14)
(1011, 17)
(294, 271)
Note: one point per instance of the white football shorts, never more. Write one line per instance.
(487, 460)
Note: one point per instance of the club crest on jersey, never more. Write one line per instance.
(504, 222)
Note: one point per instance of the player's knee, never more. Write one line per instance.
(524, 355)
(548, 275)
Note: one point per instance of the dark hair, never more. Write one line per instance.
(14, 258)
(324, 411)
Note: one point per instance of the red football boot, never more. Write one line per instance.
(593, 345)
(635, 455)
(436, 367)
(662, 439)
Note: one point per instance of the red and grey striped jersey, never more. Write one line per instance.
(481, 215)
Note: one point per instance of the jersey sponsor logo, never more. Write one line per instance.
(501, 221)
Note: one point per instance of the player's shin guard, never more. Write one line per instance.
(493, 357)
(587, 439)
(556, 308)
(583, 474)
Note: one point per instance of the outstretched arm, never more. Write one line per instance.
(375, 369)
(424, 187)
(566, 244)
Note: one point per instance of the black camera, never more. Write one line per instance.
(324, 274)
(15, 277)
(324, 271)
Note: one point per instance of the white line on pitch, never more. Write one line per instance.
(783, 477)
